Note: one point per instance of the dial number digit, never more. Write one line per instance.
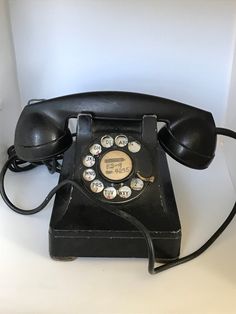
(96, 186)
(107, 141)
(89, 174)
(109, 193)
(95, 149)
(88, 161)
(136, 184)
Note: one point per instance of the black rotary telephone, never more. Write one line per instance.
(114, 197)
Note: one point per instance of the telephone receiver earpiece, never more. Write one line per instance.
(190, 141)
(42, 138)
(189, 135)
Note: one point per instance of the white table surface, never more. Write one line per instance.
(30, 282)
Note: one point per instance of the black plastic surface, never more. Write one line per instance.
(42, 130)
(80, 227)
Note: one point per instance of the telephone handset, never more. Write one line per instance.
(189, 135)
(113, 167)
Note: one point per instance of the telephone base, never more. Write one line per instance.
(118, 250)
(80, 229)
(64, 258)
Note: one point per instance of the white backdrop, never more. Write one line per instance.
(176, 49)
(230, 146)
(9, 93)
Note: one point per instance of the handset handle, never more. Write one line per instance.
(120, 105)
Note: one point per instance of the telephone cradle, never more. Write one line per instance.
(114, 197)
